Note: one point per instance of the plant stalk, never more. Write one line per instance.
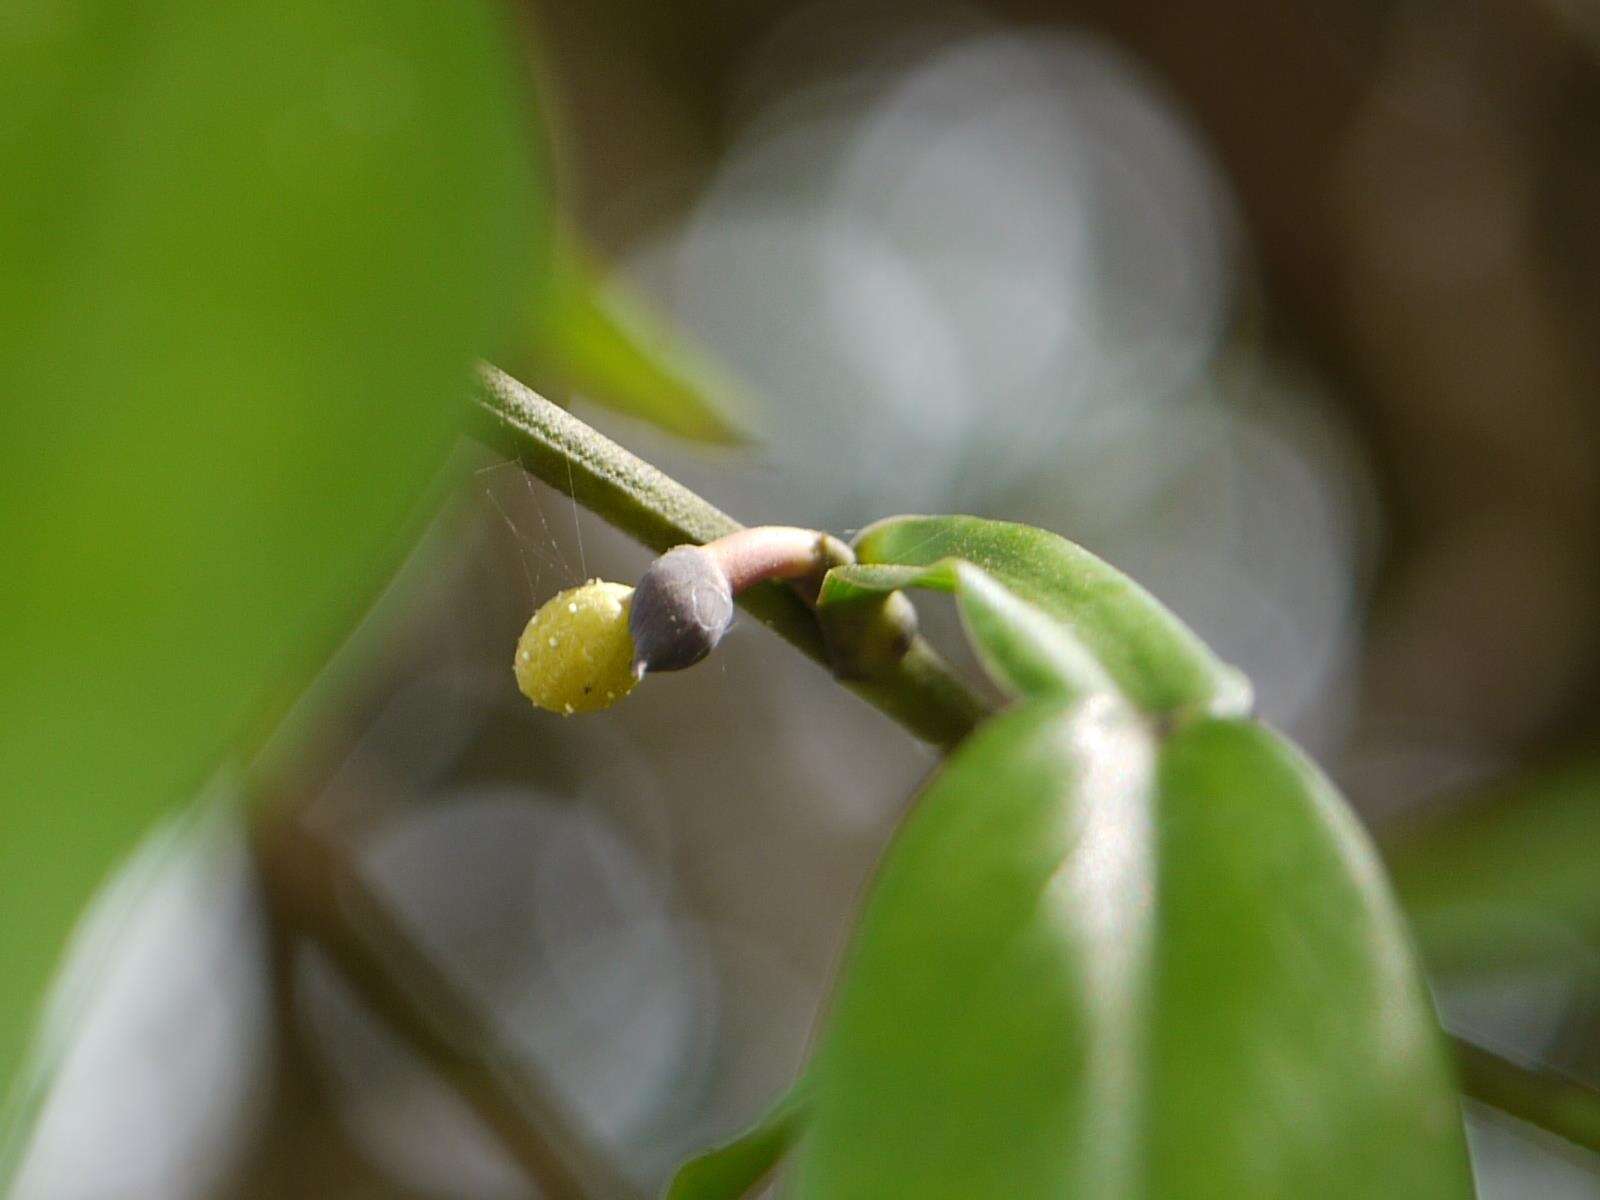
(1537, 1095)
(317, 892)
(920, 690)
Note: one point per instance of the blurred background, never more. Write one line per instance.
(1292, 312)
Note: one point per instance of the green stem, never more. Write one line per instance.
(1536, 1095)
(314, 890)
(919, 690)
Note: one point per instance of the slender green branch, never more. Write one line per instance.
(1537, 1095)
(313, 888)
(618, 485)
(919, 690)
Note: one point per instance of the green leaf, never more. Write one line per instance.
(1024, 649)
(732, 1169)
(1294, 1050)
(596, 338)
(1095, 966)
(1510, 880)
(250, 253)
(984, 1035)
(1152, 656)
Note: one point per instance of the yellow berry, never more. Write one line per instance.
(576, 654)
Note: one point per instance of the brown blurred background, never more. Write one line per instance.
(1292, 311)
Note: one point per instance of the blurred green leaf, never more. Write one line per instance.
(1095, 966)
(732, 1169)
(1024, 649)
(1152, 656)
(250, 252)
(596, 338)
(1510, 880)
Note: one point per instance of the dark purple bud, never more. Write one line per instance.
(681, 607)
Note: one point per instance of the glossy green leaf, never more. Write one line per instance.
(1510, 880)
(250, 252)
(1294, 1049)
(1152, 656)
(1024, 649)
(731, 1170)
(599, 341)
(984, 1037)
(1092, 966)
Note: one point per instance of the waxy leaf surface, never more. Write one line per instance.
(1100, 964)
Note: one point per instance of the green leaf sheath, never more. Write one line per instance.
(1511, 880)
(250, 252)
(1158, 663)
(596, 339)
(732, 1169)
(1093, 965)
(1024, 649)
